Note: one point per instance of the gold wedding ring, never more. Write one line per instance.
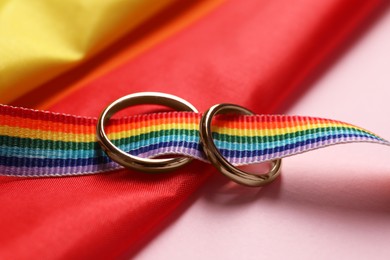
(131, 161)
(217, 159)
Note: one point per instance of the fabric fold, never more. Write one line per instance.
(58, 35)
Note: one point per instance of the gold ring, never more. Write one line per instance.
(216, 158)
(131, 161)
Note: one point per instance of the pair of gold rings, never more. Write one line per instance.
(207, 142)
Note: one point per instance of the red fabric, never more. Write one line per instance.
(253, 53)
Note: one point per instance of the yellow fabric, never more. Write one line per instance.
(41, 39)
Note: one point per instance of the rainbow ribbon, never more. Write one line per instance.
(37, 143)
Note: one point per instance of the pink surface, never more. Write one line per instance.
(332, 203)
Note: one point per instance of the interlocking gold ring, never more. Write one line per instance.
(135, 162)
(216, 158)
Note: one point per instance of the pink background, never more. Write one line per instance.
(332, 203)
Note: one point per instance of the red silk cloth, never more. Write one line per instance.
(258, 54)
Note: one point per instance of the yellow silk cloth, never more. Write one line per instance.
(41, 39)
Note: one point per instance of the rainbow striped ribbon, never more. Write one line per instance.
(37, 143)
